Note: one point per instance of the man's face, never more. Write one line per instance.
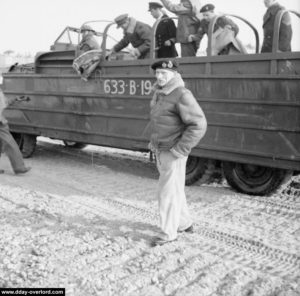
(125, 25)
(154, 13)
(268, 3)
(208, 15)
(163, 76)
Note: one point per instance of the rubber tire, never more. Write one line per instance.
(197, 170)
(252, 179)
(75, 145)
(26, 143)
(29, 145)
(18, 138)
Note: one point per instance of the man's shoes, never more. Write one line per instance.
(1, 171)
(22, 171)
(190, 229)
(158, 241)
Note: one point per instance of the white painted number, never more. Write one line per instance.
(146, 87)
(107, 86)
(114, 85)
(120, 87)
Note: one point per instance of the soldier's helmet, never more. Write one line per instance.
(85, 28)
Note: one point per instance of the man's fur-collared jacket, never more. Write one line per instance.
(177, 121)
(139, 35)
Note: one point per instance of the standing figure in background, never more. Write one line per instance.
(7, 143)
(285, 31)
(178, 124)
(224, 41)
(188, 23)
(136, 33)
(165, 32)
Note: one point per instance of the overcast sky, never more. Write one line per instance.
(28, 26)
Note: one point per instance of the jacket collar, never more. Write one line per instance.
(131, 26)
(174, 83)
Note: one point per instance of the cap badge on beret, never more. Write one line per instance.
(170, 65)
(207, 7)
(165, 64)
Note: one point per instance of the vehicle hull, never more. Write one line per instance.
(252, 104)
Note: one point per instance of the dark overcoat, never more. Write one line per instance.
(166, 30)
(139, 36)
(285, 31)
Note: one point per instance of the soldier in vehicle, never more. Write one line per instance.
(178, 124)
(136, 33)
(188, 23)
(224, 36)
(87, 61)
(7, 142)
(285, 31)
(88, 41)
(165, 32)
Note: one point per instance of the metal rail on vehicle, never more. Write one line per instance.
(210, 33)
(277, 24)
(212, 26)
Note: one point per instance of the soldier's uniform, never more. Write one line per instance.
(285, 32)
(165, 31)
(88, 41)
(187, 25)
(138, 34)
(221, 23)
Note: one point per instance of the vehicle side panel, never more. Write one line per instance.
(252, 103)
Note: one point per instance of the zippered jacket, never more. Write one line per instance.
(177, 121)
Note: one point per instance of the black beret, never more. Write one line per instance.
(154, 5)
(165, 64)
(207, 7)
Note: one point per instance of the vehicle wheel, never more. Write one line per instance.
(26, 143)
(29, 145)
(198, 170)
(18, 138)
(75, 145)
(253, 179)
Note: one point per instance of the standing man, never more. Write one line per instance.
(285, 31)
(8, 144)
(224, 35)
(178, 124)
(136, 33)
(188, 23)
(165, 32)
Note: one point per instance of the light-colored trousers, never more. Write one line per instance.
(173, 210)
(11, 148)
